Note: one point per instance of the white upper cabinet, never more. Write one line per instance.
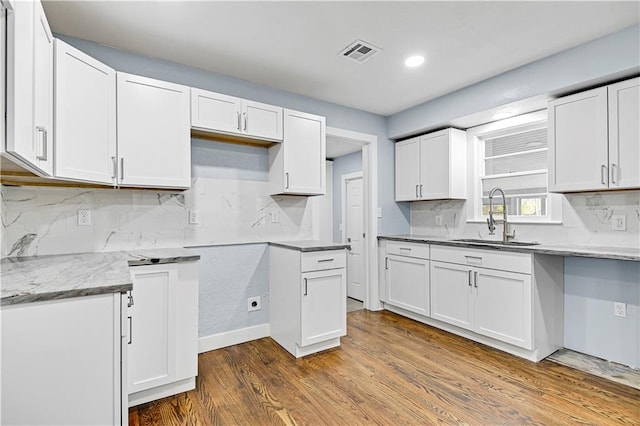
(154, 141)
(220, 113)
(297, 166)
(432, 167)
(30, 87)
(85, 104)
(624, 134)
(593, 139)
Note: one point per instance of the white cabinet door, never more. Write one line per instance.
(578, 153)
(261, 120)
(408, 170)
(434, 166)
(323, 307)
(300, 162)
(61, 362)
(215, 111)
(624, 134)
(154, 135)
(153, 348)
(503, 306)
(408, 283)
(30, 87)
(43, 91)
(452, 294)
(85, 131)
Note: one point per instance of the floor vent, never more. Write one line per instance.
(360, 51)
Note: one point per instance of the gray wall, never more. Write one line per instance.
(342, 165)
(591, 286)
(617, 54)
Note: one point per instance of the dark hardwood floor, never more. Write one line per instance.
(389, 371)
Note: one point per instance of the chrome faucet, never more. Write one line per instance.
(491, 222)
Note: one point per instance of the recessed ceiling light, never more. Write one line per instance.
(414, 61)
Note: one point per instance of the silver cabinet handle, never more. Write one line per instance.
(470, 274)
(42, 151)
(326, 260)
(122, 169)
(475, 279)
(420, 190)
(114, 171)
(386, 263)
(613, 172)
(286, 175)
(130, 330)
(417, 196)
(246, 120)
(238, 116)
(407, 249)
(603, 174)
(305, 287)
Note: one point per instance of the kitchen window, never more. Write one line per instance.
(512, 154)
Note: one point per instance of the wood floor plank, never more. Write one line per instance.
(389, 370)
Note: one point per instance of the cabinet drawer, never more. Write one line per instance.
(420, 251)
(321, 260)
(500, 260)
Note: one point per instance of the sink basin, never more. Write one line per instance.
(498, 243)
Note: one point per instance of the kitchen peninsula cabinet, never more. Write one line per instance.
(431, 167)
(62, 361)
(154, 133)
(163, 348)
(603, 125)
(308, 294)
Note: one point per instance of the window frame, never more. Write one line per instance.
(475, 145)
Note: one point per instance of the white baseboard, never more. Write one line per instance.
(233, 337)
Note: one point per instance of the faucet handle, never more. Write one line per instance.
(491, 226)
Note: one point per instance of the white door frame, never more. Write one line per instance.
(370, 197)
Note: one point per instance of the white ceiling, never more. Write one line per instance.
(294, 45)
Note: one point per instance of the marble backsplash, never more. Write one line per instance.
(41, 221)
(586, 220)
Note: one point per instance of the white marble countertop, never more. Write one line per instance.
(309, 245)
(617, 253)
(40, 278)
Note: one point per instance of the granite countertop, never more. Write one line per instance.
(41, 278)
(617, 253)
(310, 245)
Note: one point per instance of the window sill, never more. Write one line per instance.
(521, 222)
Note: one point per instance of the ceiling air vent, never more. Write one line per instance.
(360, 51)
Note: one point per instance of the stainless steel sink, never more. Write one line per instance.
(498, 243)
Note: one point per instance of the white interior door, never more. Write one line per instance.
(353, 231)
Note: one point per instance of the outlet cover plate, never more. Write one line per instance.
(619, 222)
(194, 217)
(620, 309)
(84, 217)
(253, 304)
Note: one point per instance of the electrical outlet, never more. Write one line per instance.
(253, 304)
(620, 309)
(194, 217)
(439, 220)
(619, 222)
(84, 217)
(274, 216)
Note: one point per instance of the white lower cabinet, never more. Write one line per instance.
(163, 346)
(308, 299)
(493, 303)
(510, 301)
(407, 277)
(63, 362)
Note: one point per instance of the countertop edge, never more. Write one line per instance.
(536, 249)
(310, 249)
(65, 294)
(163, 260)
